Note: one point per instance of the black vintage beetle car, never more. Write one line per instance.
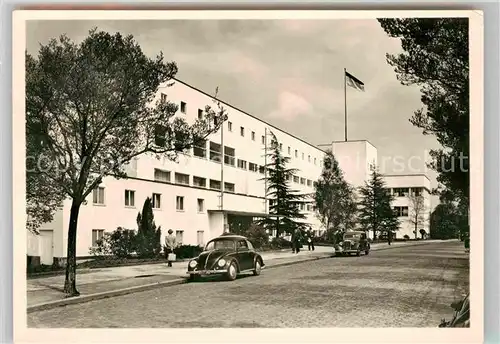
(226, 255)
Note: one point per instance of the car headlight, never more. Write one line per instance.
(193, 263)
(221, 262)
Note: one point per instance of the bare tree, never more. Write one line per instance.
(417, 212)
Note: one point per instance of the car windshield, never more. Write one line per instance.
(352, 236)
(220, 244)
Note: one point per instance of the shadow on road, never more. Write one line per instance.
(218, 278)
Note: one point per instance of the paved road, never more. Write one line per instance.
(403, 287)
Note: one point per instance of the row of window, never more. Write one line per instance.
(184, 179)
(405, 192)
(302, 206)
(181, 178)
(99, 199)
(183, 109)
(401, 211)
(156, 199)
(98, 234)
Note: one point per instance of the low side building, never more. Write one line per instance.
(412, 203)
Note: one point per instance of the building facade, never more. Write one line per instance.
(187, 195)
(412, 198)
(221, 179)
(412, 203)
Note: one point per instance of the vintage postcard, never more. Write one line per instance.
(227, 176)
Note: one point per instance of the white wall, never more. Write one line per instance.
(57, 225)
(354, 158)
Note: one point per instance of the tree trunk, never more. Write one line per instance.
(278, 227)
(70, 281)
(374, 234)
(416, 233)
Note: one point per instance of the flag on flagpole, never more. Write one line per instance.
(354, 82)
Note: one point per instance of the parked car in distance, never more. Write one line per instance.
(228, 256)
(354, 242)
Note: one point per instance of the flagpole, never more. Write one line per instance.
(265, 170)
(345, 106)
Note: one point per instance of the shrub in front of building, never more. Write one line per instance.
(257, 235)
(148, 238)
(102, 247)
(279, 243)
(122, 243)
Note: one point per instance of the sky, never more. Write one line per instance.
(287, 72)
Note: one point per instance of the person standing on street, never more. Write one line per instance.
(310, 240)
(170, 245)
(296, 236)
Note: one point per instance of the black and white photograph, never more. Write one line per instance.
(275, 171)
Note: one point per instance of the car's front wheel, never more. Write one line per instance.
(232, 271)
(258, 268)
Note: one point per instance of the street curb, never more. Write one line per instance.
(407, 245)
(136, 289)
(300, 261)
(103, 295)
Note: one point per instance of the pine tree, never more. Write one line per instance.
(375, 210)
(284, 210)
(435, 56)
(148, 237)
(334, 198)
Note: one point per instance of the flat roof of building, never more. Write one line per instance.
(407, 175)
(355, 141)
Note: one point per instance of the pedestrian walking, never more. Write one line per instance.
(389, 237)
(170, 245)
(310, 240)
(296, 240)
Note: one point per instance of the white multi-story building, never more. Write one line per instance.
(412, 202)
(412, 199)
(187, 195)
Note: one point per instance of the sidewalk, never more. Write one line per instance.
(46, 292)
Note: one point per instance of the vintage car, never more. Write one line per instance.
(354, 242)
(228, 256)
